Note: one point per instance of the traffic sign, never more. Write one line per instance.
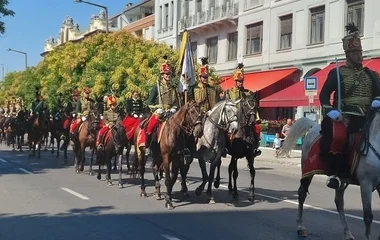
(311, 86)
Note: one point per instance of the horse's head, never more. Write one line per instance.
(248, 110)
(193, 118)
(224, 115)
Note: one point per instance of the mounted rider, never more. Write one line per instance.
(239, 92)
(360, 90)
(37, 106)
(83, 107)
(165, 94)
(111, 119)
(203, 93)
(135, 106)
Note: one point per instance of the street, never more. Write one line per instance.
(44, 199)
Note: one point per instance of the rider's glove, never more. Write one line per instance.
(135, 115)
(140, 116)
(84, 119)
(333, 114)
(375, 104)
(173, 110)
(101, 117)
(159, 111)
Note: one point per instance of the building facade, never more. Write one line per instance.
(166, 19)
(277, 34)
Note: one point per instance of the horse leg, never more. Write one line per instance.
(366, 194)
(230, 171)
(98, 160)
(184, 169)
(235, 175)
(170, 179)
(202, 165)
(109, 166)
(90, 172)
(302, 193)
(83, 157)
(252, 171)
(52, 143)
(213, 166)
(114, 164)
(156, 173)
(120, 169)
(141, 161)
(378, 189)
(217, 179)
(127, 157)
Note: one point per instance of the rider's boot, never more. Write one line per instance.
(333, 180)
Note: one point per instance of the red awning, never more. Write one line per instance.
(294, 95)
(259, 80)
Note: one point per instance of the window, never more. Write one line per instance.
(232, 46)
(199, 5)
(286, 30)
(317, 25)
(166, 24)
(355, 13)
(172, 13)
(212, 49)
(194, 48)
(254, 38)
(212, 3)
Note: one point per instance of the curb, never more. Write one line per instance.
(271, 149)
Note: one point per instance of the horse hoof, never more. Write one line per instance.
(77, 171)
(216, 184)
(120, 185)
(302, 233)
(109, 183)
(212, 201)
(251, 198)
(143, 194)
(158, 197)
(198, 191)
(90, 173)
(99, 177)
(169, 206)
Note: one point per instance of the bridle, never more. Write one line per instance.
(224, 121)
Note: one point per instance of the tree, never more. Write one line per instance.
(4, 12)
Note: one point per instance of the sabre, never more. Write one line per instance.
(339, 90)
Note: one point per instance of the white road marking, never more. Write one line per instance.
(169, 237)
(25, 171)
(296, 203)
(75, 193)
(2, 160)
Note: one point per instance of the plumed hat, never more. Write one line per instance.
(87, 90)
(352, 41)
(203, 71)
(165, 66)
(76, 92)
(239, 72)
(111, 100)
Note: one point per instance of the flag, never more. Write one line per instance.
(187, 62)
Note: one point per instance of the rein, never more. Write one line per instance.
(365, 136)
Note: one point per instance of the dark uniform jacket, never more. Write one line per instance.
(134, 107)
(168, 94)
(84, 106)
(358, 88)
(111, 117)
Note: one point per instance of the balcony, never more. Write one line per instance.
(214, 18)
(250, 4)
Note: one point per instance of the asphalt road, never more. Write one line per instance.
(44, 199)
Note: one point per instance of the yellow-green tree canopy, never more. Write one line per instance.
(118, 63)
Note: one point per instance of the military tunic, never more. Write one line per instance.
(358, 88)
(37, 106)
(205, 95)
(236, 93)
(167, 94)
(111, 117)
(134, 107)
(84, 106)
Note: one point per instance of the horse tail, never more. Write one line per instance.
(297, 130)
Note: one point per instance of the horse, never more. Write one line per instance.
(221, 119)
(59, 133)
(17, 126)
(242, 144)
(367, 171)
(86, 138)
(187, 121)
(35, 127)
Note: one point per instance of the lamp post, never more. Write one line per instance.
(2, 68)
(25, 54)
(96, 5)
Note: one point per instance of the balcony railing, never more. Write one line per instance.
(220, 12)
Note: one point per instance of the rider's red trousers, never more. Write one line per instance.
(101, 133)
(153, 122)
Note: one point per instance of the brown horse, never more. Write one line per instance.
(35, 133)
(86, 138)
(169, 149)
(59, 133)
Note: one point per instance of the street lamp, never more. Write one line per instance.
(2, 65)
(96, 5)
(26, 56)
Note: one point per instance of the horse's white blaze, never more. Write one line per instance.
(233, 127)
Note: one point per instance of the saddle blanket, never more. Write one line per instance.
(66, 123)
(141, 137)
(314, 165)
(130, 124)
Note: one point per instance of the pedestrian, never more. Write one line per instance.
(285, 131)
(277, 144)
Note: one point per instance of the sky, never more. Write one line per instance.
(37, 20)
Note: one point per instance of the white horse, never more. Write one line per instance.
(367, 172)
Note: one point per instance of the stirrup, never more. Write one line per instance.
(186, 152)
(257, 152)
(333, 182)
(63, 138)
(100, 147)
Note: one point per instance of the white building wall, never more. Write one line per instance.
(167, 32)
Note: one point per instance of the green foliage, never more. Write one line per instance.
(4, 12)
(117, 63)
